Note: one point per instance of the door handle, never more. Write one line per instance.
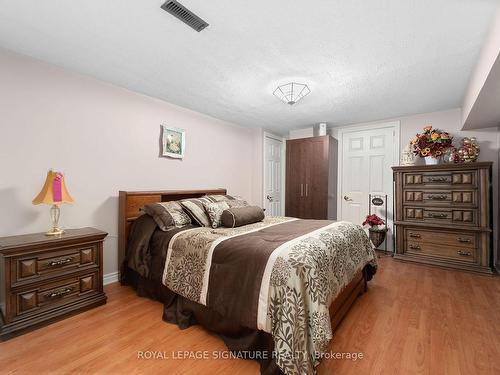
(301, 190)
(307, 185)
(347, 199)
(269, 198)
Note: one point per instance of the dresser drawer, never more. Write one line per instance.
(444, 198)
(443, 216)
(440, 237)
(464, 254)
(440, 179)
(33, 267)
(47, 296)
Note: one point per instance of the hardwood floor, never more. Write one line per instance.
(413, 320)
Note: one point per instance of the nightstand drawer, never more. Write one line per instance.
(55, 294)
(32, 267)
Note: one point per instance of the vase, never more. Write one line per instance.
(377, 236)
(431, 160)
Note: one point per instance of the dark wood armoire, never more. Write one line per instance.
(311, 178)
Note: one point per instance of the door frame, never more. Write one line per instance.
(339, 134)
(265, 135)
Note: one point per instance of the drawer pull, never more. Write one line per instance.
(464, 240)
(60, 262)
(437, 179)
(414, 247)
(437, 197)
(464, 253)
(59, 293)
(414, 235)
(437, 216)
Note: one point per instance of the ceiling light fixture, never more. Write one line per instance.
(291, 93)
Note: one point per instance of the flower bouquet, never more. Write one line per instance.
(431, 144)
(377, 233)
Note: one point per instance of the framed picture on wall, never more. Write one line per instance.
(173, 141)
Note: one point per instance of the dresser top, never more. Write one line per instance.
(37, 239)
(448, 166)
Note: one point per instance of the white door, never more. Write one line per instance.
(273, 176)
(366, 161)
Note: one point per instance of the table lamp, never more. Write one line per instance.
(54, 192)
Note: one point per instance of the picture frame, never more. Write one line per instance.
(173, 142)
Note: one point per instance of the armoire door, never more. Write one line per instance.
(317, 179)
(295, 179)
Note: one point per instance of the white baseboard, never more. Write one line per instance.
(112, 277)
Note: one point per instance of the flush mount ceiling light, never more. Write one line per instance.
(291, 93)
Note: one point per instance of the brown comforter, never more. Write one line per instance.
(278, 276)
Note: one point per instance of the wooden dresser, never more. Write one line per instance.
(443, 215)
(44, 278)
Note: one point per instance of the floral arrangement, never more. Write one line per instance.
(373, 221)
(432, 142)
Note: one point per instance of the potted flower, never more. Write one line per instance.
(377, 230)
(431, 144)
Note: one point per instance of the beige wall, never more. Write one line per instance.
(104, 139)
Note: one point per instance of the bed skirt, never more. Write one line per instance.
(242, 341)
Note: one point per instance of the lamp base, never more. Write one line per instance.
(54, 232)
(54, 215)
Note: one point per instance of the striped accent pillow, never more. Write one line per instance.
(167, 215)
(225, 198)
(196, 210)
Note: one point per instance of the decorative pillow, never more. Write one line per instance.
(174, 209)
(214, 211)
(194, 207)
(238, 216)
(220, 198)
(237, 203)
(217, 198)
(161, 216)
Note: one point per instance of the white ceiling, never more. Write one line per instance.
(363, 60)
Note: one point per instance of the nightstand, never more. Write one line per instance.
(44, 278)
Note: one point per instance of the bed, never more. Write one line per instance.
(274, 290)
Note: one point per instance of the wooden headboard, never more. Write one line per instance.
(131, 202)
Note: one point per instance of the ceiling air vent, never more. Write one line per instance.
(185, 15)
